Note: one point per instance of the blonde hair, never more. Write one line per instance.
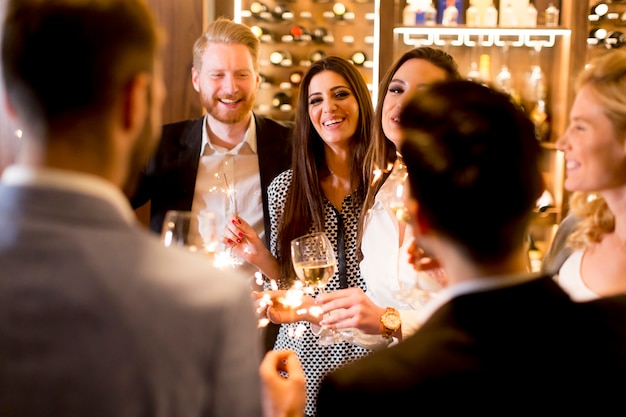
(596, 219)
(606, 76)
(224, 30)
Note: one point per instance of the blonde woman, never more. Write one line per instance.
(594, 145)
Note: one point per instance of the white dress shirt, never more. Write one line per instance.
(228, 181)
(471, 286)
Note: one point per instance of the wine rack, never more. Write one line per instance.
(606, 26)
(294, 34)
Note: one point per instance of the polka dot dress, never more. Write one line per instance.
(318, 360)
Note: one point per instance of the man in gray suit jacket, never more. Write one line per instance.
(97, 318)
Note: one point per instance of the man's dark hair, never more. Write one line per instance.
(65, 59)
(473, 163)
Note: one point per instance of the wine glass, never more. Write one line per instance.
(429, 276)
(195, 232)
(393, 191)
(314, 261)
(504, 78)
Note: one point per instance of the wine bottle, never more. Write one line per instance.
(518, 11)
(490, 18)
(317, 55)
(299, 33)
(259, 10)
(484, 67)
(552, 16)
(507, 14)
(281, 58)
(413, 14)
(264, 34)
(596, 36)
(295, 78)
(450, 14)
(265, 81)
(598, 11)
(430, 15)
(358, 58)
(472, 16)
(339, 9)
(531, 15)
(282, 12)
(614, 39)
(282, 101)
(319, 35)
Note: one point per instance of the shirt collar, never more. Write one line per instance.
(469, 287)
(21, 175)
(249, 139)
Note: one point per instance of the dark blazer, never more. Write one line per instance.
(507, 351)
(169, 179)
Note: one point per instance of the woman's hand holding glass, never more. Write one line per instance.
(431, 278)
(314, 261)
(351, 308)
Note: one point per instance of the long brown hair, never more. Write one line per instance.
(382, 151)
(304, 205)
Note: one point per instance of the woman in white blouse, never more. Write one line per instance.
(385, 241)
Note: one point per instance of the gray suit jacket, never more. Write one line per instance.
(558, 251)
(98, 319)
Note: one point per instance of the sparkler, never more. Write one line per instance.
(292, 299)
(231, 192)
(226, 258)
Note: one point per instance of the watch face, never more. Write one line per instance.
(391, 321)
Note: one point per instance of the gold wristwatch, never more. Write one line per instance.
(391, 322)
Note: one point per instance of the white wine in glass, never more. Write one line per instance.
(315, 274)
(314, 261)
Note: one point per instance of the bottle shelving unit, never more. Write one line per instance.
(484, 36)
(352, 34)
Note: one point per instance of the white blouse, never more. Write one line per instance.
(570, 279)
(389, 276)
